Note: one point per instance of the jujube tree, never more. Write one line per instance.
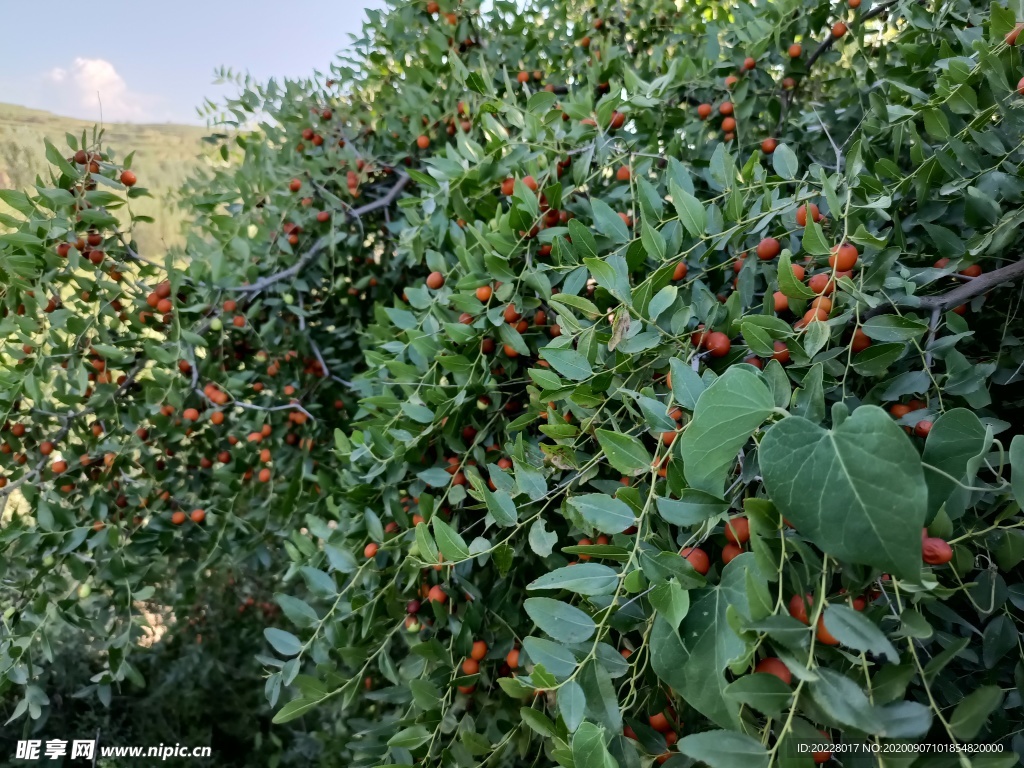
(598, 384)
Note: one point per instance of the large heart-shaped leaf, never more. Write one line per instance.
(726, 415)
(857, 491)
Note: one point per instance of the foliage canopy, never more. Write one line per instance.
(590, 383)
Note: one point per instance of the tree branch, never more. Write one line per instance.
(356, 213)
(984, 283)
(824, 45)
(827, 43)
(942, 302)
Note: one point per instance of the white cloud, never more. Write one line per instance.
(97, 88)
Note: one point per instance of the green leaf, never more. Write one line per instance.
(815, 338)
(814, 241)
(662, 300)
(568, 362)
(973, 711)
(425, 543)
(608, 222)
(784, 162)
(538, 721)
(1016, 468)
(999, 638)
(788, 283)
(876, 359)
(949, 245)
(583, 238)
(691, 212)
(476, 83)
(893, 328)
(451, 544)
(757, 338)
(541, 540)
(602, 700)
(283, 642)
(856, 631)
(653, 241)
(293, 709)
(845, 702)
(936, 123)
(693, 660)
(956, 437)
(577, 302)
(541, 101)
(17, 200)
(828, 484)
(582, 578)
(410, 738)
(724, 749)
(425, 694)
(318, 582)
(612, 275)
(906, 719)
(557, 659)
(624, 452)
(423, 178)
(530, 481)
(589, 750)
(671, 601)
(501, 507)
(419, 413)
(564, 622)
(545, 379)
(54, 156)
(606, 513)
(571, 703)
(727, 413)
(765, 693)
(809, 399)
(687, 385)
(297, 611)
(656, 414)
(692, 508)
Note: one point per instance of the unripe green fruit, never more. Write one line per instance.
(48, 561)
(216, 324)
(84, 591)
(9, 613)
(542, 161)
(288, 298)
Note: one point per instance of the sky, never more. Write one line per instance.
(154, 62)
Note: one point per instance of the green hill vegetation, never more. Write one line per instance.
(165, 155)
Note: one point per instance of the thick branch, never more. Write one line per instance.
(984, 283)
(265, 282)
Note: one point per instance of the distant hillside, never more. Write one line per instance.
(164, 156)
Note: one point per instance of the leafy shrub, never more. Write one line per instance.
(655, 372)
